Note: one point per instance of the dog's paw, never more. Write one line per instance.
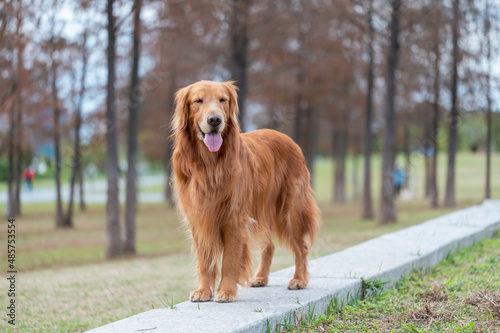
(296, 284)
(258, 282)
(200, 295)
(225, 296)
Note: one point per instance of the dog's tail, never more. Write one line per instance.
(311, 216)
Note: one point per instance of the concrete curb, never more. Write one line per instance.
(335, 279)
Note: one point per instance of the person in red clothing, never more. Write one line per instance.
(29, 177)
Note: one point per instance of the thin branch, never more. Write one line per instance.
(123, 19)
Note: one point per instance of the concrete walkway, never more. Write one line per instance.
(335, 279)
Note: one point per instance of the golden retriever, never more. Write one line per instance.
(234, 190)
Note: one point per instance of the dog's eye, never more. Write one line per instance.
(222, 100)
(199, 101)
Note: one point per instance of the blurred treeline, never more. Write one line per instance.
(303, 68)
(472, 133)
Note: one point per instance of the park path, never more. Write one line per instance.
(95, 191)
(335, 280)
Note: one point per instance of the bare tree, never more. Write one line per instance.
(340, 141)
(239, 43)
(311, 139)
(306, 117)
(19, 156)
(355, 175)
(133, 130)
(19, 141)
(113, 240)
(427, 124)
(80, 186)
(15, 137)
(77, 163)
(169, 194)
(487, 28)
(367, 192)
(300, 104)
(169, 146)
(10, 88)
(387, 205)
(407, 148)
(435, 120)
(11, 210)
(449, 200)
(60, 223)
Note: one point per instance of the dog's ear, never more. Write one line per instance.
(181, 113)
(233, 97)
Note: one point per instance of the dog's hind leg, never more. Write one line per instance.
(261, 278)
(300, 250)
(303, 225)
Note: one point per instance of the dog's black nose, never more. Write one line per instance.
(214, 120)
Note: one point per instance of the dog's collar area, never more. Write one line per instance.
(199, 128)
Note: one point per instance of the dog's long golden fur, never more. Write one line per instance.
(236, 189)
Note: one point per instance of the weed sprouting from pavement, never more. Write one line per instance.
(169, 305)
(373, 287)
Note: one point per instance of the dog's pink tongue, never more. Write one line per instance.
(213, 141)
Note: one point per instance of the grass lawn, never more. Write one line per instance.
(461, 294)
(65, 284)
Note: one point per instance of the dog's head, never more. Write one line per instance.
(206, 109)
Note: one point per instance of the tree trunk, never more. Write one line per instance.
(60, 223)
(169, 195)
(19, 162)
(11, 210)
(487, 194)
(407, 151)
(340, 196)
(75, 170)
(427, 157)
(355, 175)
(300, 109)
(387, 206)
(340, 159)
(19, 132)
(311, 140)
(428, 174)
(15, 137)
(133, 131)
(80, 186)
(487, 190)
(113, 240)
(239, 43)
(449, 200)
(435, 121)
(367, 191)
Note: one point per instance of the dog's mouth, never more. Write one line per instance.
(213, 140)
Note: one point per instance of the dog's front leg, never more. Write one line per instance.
(207, 271)
(234, 244)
